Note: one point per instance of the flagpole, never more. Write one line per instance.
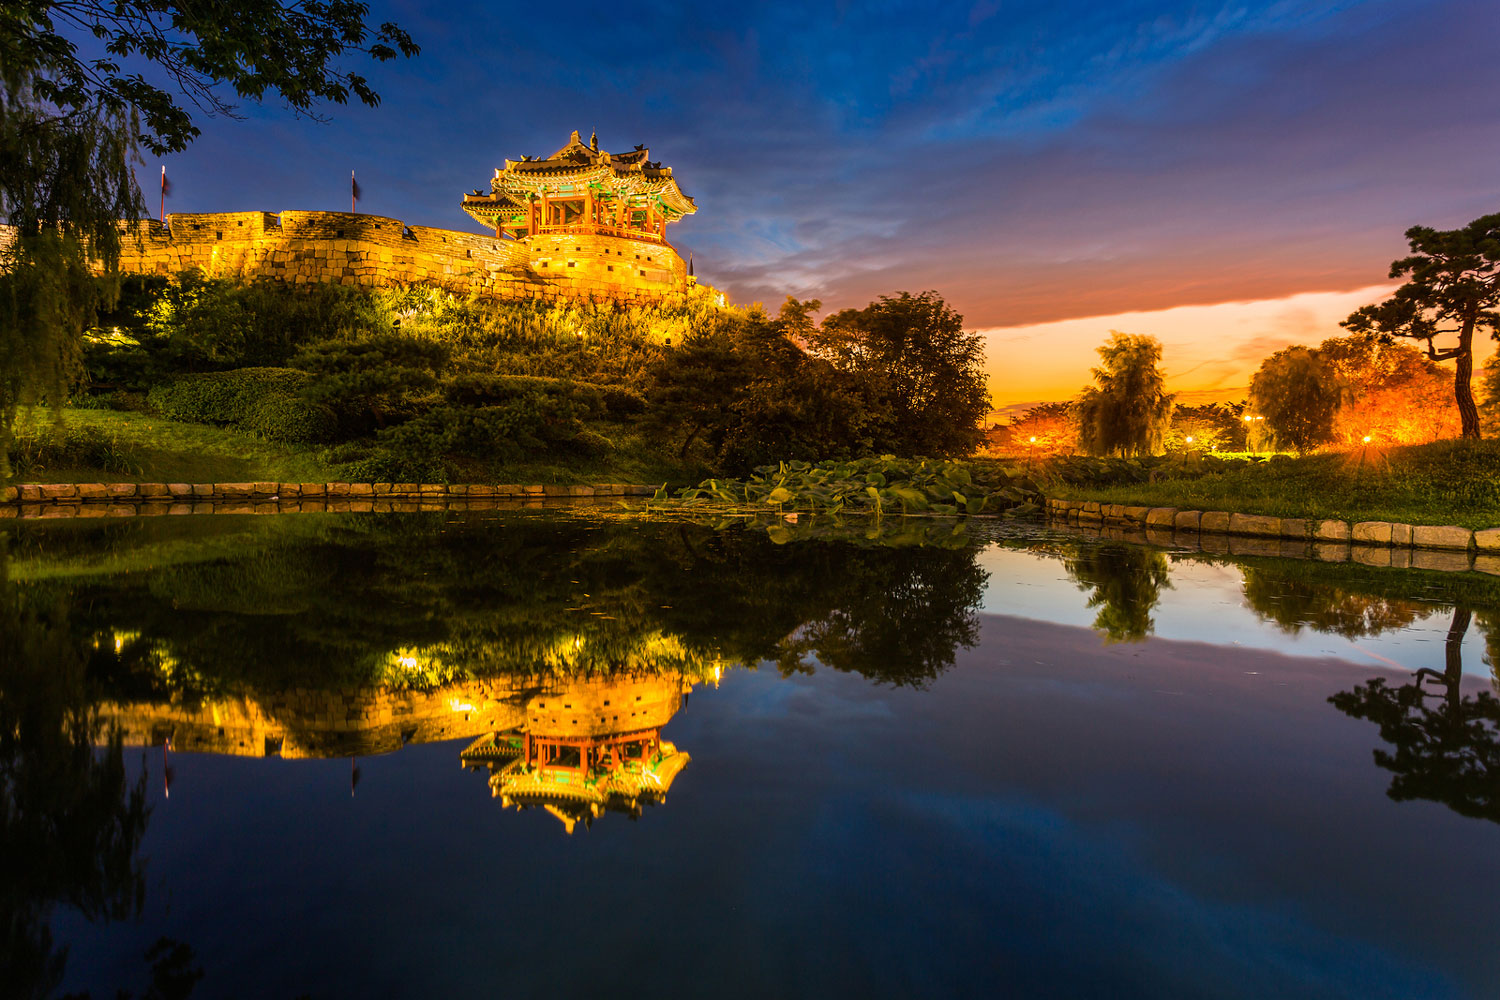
(353, 186)
(164, 194)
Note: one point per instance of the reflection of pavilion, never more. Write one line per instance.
(587, 747)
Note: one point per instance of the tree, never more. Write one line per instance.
(914, 355)
(1053, 425)
(1128, 410)
(1298, 396)
(71, 126)
(1393, 393)
(1212, 426)
(1454, 288)
(751, 395)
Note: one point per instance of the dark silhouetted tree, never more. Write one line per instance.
(913, 355)
(1452, 288)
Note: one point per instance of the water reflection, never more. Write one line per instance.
(587, 747)
(557, 649)
(70, 820)
(1444, 745)
(1124, 582)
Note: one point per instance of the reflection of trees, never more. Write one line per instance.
(1489, 627)
(1445, 745)
(70, 820)
(431, 598)
(1293, 600)
(1126, 581)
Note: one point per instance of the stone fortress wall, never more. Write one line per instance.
(356, 249)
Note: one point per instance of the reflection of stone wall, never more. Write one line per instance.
(314, 723)
(355, 249)
(363, 721)
(605, 706)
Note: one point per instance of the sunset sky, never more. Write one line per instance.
(1230, 177)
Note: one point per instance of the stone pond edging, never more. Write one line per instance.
(1386, 543)
(128, 499)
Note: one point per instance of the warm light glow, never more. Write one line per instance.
(1033, 439)
(1189, 439)
(1367, 439)
(409, 662)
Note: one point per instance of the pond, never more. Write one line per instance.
(550, 752)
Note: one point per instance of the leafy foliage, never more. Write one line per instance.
(1044, 430)
(911, 352)
(1212, 427)
(267, 401)
(374, 381)
(196, 323)
(1297, 396)
(869, 485)
(71, 127)
(1127, 410)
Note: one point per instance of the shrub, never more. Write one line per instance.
(266, 401)
(373, 382)
(202, 323)
(451, 441)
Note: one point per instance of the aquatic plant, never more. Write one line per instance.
(868, 485)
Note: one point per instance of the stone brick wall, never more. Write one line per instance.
(356, 249)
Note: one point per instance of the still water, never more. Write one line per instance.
(552, 753)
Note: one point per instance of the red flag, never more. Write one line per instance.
(353, 192)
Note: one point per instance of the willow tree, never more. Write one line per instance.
(72, 125)
(1453, 290)
(1128, 410)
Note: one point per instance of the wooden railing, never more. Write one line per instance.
(593, 229)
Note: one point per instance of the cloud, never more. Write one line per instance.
(1032, 164)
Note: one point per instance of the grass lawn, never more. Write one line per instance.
(167, 451)
(172, 452)
(1449, 482)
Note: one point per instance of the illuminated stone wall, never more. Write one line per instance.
(355, 249)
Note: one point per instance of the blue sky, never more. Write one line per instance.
(1032, 162)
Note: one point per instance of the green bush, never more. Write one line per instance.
(457, 442)
(198, 323)
(266, 401)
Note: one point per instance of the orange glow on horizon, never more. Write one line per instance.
(1209, 352)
